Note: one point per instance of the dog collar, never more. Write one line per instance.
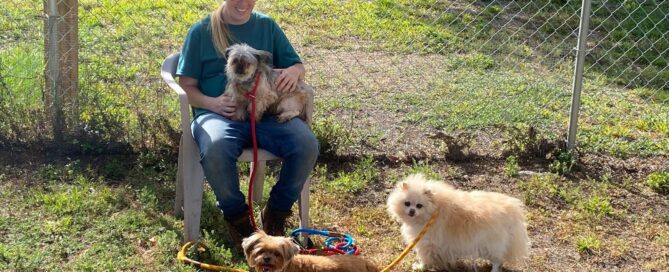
(251, 91)
(248, 84)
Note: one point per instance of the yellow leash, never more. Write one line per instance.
(413, 243)
(181, 256)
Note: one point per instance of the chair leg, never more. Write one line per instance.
(258, 181)
(303, 202)
(193, 190)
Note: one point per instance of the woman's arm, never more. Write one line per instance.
(223, 104)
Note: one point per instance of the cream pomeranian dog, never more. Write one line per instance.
(267, 253)
(469, 226)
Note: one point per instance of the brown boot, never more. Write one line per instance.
(239, 227)
(274, 221)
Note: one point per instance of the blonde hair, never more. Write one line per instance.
(219, 31)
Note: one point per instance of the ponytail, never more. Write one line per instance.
(219, 32)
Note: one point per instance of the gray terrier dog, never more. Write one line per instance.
(243, 63)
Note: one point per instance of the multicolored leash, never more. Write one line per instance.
(336, 243)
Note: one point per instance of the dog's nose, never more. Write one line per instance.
(240, 68)
(266, 259)
(412, 212)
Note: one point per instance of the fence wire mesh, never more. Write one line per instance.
(394, 77)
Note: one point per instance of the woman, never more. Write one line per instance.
(220, 139)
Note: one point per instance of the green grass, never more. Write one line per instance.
(75, 221)
(639, 24)
(363, 174)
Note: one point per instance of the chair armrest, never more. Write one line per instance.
(167, 73)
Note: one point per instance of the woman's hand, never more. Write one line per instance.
(224, 105)
(287, 79)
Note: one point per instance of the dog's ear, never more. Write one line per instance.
(263, 56)
(289, 248)
(404, 186)
(227, 52)
(429, 193)
(249, 243)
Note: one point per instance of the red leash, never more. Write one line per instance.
(252, 95)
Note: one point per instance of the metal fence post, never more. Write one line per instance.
(51, 92)
(577, 85)
(62, 56)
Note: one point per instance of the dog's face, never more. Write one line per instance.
(243, 61)
(412, 200)
(268, 253)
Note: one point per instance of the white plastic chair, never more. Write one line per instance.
(190, 176)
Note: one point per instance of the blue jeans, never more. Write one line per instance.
(222, 140)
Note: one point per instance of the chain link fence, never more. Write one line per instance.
(393, 77)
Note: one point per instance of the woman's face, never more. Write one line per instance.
(238, 12)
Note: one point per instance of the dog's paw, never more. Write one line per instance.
(420, 267)
(285, 116)
(417, 267)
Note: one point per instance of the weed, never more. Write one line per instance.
(211, 252)
(563, 164)
(67, 173)
(658, 182)
(353, 182)
(588, 244)
(113, 169)
(424, 168)
(663, 238)
(458, 145)
(331, 135)
(597, 206)
(160, 165)
(347, 183)
(525, 140)
(147, 196)
(511, 167)
(539, 188)
(570, 194)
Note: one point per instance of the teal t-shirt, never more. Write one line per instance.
(199, 59)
